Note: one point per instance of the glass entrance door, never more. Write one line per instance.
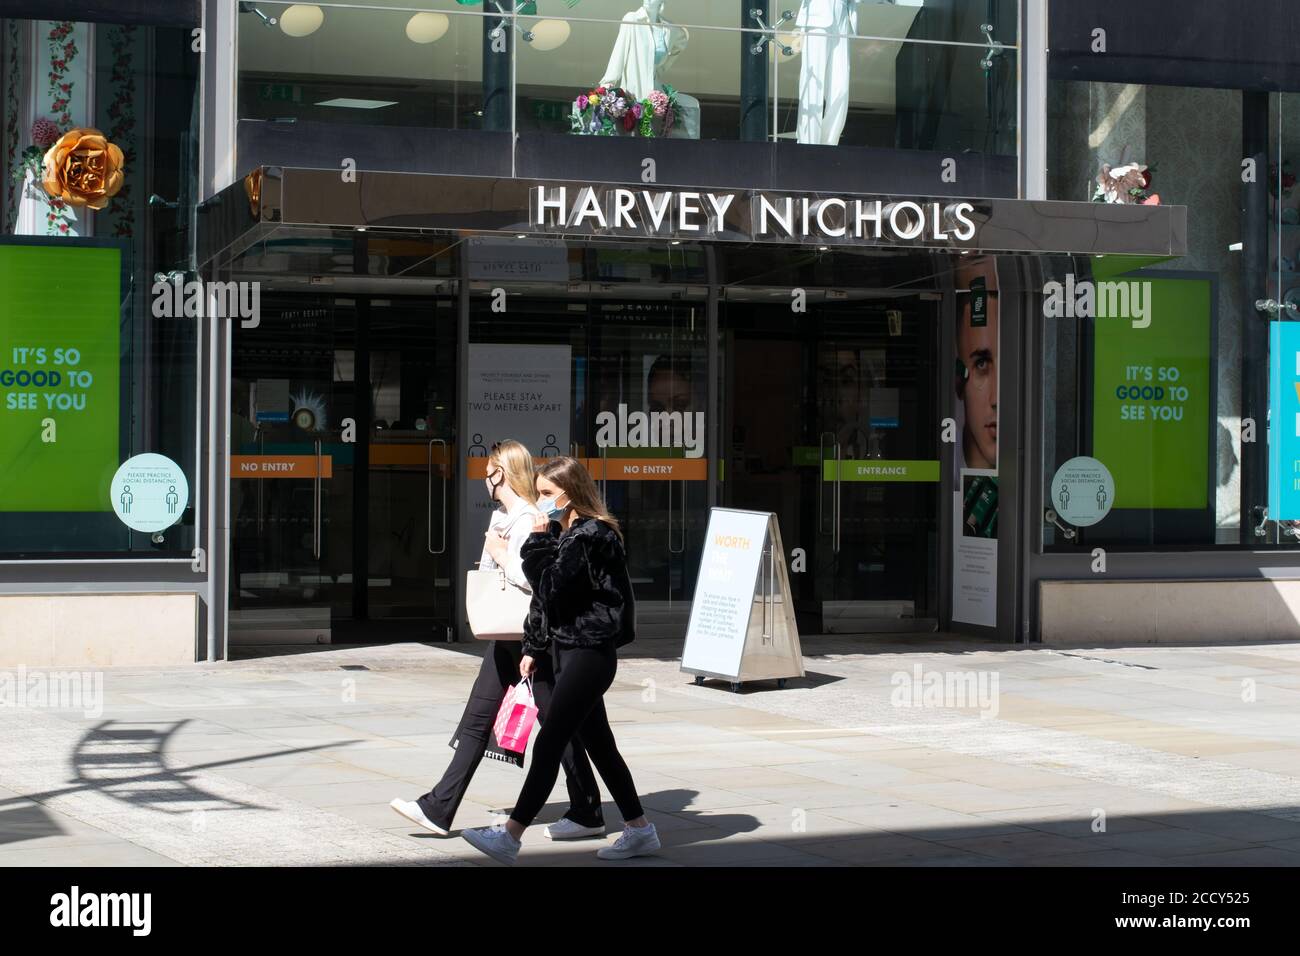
(648, 395)
(603, 356)
(286, 530)
(343, 412)
(833, 424)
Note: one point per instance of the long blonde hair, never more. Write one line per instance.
(571, 477)
(514, 459)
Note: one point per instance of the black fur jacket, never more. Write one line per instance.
(582, 595)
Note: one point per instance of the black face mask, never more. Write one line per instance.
(492, 495)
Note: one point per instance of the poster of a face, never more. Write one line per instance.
(669, 384)
(976, 373)
(976, 390)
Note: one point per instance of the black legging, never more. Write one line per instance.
(500, 669)
(577, 711)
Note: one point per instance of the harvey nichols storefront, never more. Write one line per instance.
(248, 400)
(852, 363)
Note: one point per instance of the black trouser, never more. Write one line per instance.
(500, 669)
(577, 713)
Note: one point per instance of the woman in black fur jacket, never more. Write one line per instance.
(577, 567)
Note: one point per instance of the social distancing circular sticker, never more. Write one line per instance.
(149, 493)
(1083, 491)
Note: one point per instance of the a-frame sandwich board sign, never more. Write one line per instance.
(742, 625)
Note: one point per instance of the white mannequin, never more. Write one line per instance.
(31, 208)
(824, 75)
(632, 65)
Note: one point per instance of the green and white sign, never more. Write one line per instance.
(1152, 389)
(1083, 491)
(149, 493)
(877, 469)
(59, 368)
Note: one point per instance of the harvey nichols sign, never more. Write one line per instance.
(674, 213)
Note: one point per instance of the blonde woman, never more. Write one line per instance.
(511, 485)
(577, 567)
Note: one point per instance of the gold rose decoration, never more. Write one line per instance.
(253, 189)
(83, 169)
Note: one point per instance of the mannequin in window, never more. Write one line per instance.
(824, 74)
(647, 44)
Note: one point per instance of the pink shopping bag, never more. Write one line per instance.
(516, 718)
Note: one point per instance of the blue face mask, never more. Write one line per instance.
(550, 510)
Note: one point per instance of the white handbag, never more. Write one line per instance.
(496, 608)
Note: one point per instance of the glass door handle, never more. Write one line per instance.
(821, 483)
(316, 506)
(442, 548)
(835, 545)
(682, 548)
(261, 450)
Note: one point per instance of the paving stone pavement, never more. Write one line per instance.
(891, 751)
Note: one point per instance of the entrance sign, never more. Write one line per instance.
(1083, 491)
(875, 469)
(1284, 416)
(742, 625)
(149, 493)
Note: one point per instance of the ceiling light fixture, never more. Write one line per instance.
(549, 35)
(302, 19)
(351, 103)
(427, 27)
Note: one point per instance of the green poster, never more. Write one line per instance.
(59, 371)
(1152, 390)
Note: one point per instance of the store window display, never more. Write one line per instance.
(647, 44)
(827, 26)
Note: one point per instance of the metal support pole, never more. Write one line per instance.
(753, 74)
(1254, 329)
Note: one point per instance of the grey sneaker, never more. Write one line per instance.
(566, 829)
(631, 842)
(412, 811)
(496, 842)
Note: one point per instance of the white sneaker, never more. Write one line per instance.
(631, 842)
(413, 812)
(496, 842)
(566, 829)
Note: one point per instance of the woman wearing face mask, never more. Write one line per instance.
(577, 567)
(511, 486)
